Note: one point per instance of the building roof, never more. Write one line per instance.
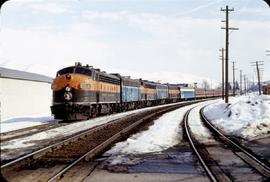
(187, 89)
(22, 75)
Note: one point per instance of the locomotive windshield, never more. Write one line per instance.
(65, 71)
(83, 71)
(79, 70)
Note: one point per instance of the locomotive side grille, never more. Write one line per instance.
(109, 80)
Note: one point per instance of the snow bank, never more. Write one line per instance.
(25, 121)
(245, 116)
(163, 134)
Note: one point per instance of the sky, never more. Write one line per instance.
(176, 41)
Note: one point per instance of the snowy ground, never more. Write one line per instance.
(67, 130)
(246, 116)
(25, 121)
(197, 128)
(163, 134)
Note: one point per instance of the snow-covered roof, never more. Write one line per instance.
(22, 75)
(266, 83)
(187, 89)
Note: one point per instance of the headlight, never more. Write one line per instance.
(68, 89)
(68, 76)
(68, 96)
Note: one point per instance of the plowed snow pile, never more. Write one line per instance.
(245, 116)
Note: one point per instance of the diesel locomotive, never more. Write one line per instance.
(81, 92)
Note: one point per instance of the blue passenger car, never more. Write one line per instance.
(130, 90)
(162, 91)
(187, 93)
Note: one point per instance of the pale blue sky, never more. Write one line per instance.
(167, 40)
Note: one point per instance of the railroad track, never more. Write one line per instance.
(7, 136)
(36, 139)
(214, 165)
(62, 156)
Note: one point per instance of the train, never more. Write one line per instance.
(82, 92)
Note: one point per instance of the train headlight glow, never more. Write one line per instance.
(68, 89)
(68, 96)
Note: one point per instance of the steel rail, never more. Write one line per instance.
(95, 151)
(51, 147)
(36, 154)
(207, 169)
(20, 133)
(239, 147)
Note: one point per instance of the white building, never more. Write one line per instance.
(23, 94)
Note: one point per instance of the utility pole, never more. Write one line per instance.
(227, 28)
(245, 84)
(233, 62)
(257, 64)
(222, 71)
(259, 77)
(240, 82)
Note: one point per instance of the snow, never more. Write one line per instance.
(163, 134)
(245, 117)
(24, 121)
(196, 126)
(67, 130)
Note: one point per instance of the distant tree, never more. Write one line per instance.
(237, 87)
(205, 84)
(229, 86)
(219, 86)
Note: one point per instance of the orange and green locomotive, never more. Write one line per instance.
(81, 92)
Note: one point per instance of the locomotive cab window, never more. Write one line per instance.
(83, 71)
(65, 71)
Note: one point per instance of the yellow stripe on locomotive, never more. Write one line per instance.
(75, 81)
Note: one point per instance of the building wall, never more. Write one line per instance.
(23, 98)
(266, 89)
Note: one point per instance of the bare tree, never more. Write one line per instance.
(205, 84)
